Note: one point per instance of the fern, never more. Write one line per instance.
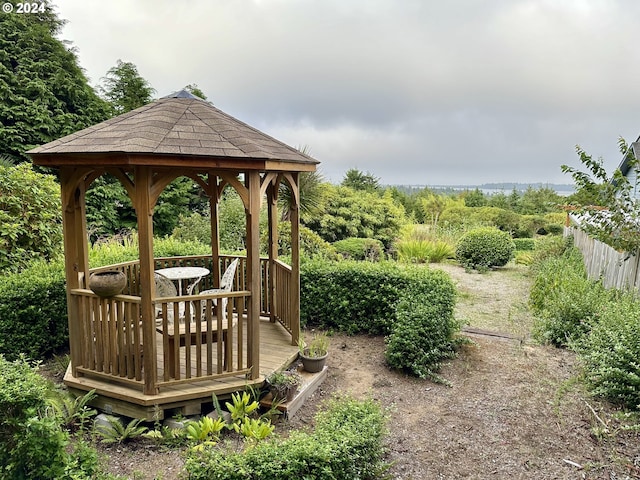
(73, 412)
(117, 432)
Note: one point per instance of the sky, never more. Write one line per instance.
(415, 92)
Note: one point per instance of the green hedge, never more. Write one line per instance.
(425, 332)
(524, 244)
(361, 297)
(33, 311)
(346, 445)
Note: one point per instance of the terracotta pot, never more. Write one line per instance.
(107, 284)
(313, 364)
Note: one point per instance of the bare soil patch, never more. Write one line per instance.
(514, 409)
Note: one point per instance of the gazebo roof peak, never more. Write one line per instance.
(182, 94)
(171, 130)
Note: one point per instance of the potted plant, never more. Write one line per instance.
(283, 385)
(314, 354)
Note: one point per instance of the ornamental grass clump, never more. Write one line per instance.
(483, 248)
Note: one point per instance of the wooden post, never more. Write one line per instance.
(144, 211)
(272, 204)
(214, 202)
(294, 295)
(253, 271)
(76, 255)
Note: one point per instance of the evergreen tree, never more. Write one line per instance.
(474, 198)
(45, 94)
(125, 89)
(358, 180)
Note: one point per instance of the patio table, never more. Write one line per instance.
(184, 273)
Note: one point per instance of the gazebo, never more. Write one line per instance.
(144, 353)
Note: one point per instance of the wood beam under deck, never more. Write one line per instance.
(186, 398)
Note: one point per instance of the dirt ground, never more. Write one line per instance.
(514, 409)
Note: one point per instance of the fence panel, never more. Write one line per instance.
(616, 269)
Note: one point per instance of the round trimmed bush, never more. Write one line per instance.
(485, 247)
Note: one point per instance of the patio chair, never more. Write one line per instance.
(166, 288)
(226, 284)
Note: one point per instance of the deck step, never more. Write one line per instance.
(310, 383)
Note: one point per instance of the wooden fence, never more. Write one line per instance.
(619, 270)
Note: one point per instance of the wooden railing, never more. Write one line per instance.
(111, 338)
(132, 271)
(281, 305)
(217, 342)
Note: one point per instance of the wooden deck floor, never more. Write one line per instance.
(276, 352)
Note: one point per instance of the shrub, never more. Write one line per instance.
(171, 247)
(424, 334)
(523, 258)
(360, 249)
(610, 353)
(231, 221)
(347, 444)
(355, 213)
(485, 247)
(30, 217)
(361, 297)
(566, 304)
(549, 247)
(460, 217)
(528, 226)
(556, 217)
(22, 389)
(311, 244)
(524, 244)
(33, 311)
(194, 227)
(554, 228)
(34, 445)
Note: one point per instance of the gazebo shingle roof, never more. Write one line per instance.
(181, 125)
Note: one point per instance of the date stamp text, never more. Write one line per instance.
(24, 7)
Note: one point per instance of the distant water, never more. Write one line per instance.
(491, 189)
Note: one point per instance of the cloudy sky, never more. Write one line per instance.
(413, 91)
